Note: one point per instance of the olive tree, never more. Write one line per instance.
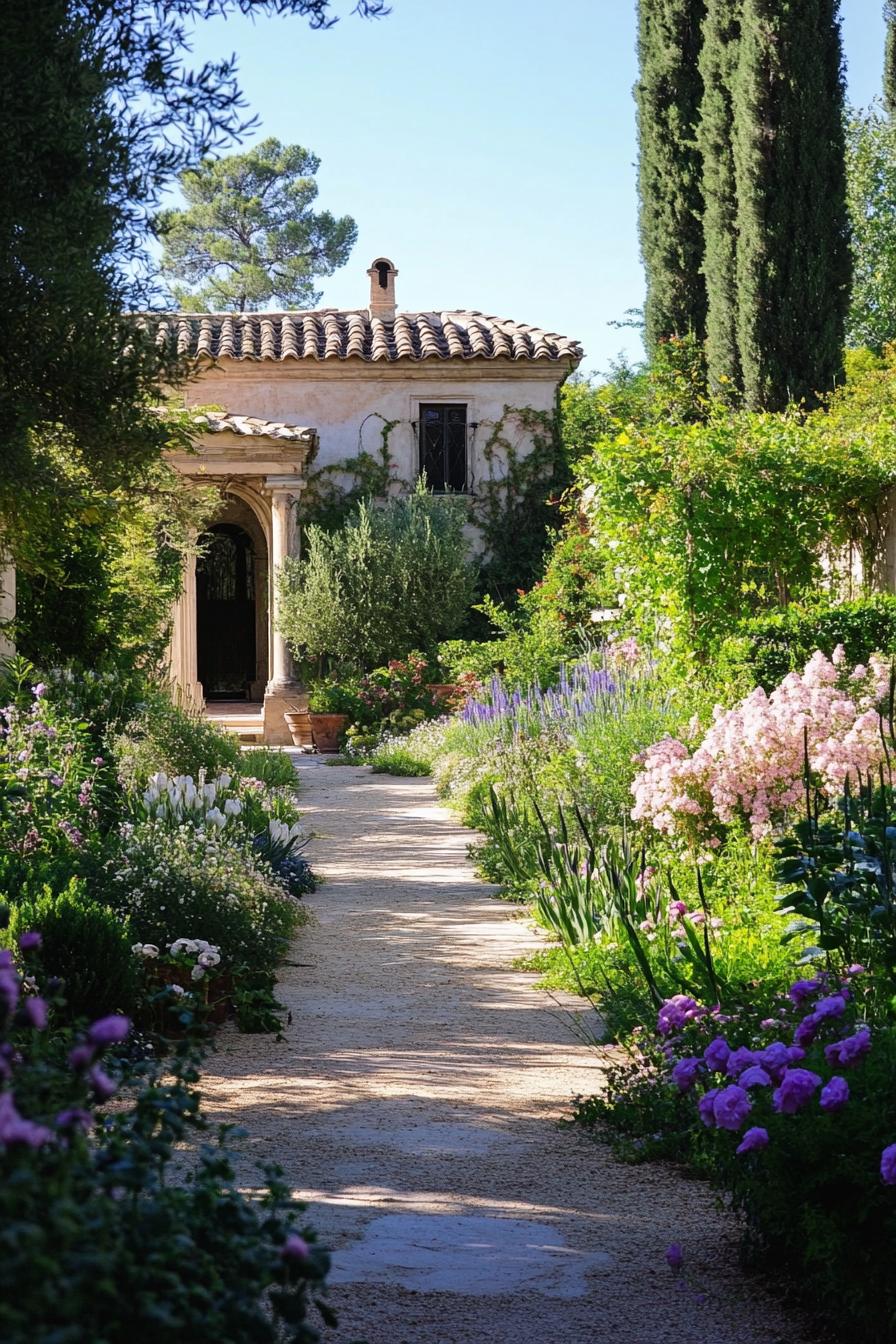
(396, 576)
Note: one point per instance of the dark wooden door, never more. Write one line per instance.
(225, 613)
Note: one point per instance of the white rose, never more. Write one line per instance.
(149, 950)
(208, 959)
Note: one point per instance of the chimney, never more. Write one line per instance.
(382, 289)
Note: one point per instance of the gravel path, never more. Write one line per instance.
(415, 1104)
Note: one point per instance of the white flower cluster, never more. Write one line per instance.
(207, 955)
(181, 798)
(283, 834)
(147, 950)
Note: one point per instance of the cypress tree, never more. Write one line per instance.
(668, 96)
(890, 58)
(718, 62)
(793, 262)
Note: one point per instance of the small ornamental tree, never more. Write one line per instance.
(394, 578)
(249, 235)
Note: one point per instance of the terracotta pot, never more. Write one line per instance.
(299, 724)
(443, 690)
(327, 729)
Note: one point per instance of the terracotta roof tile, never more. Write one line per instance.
(216, 422)
(352, 334)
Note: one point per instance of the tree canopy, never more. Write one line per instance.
(249, 235)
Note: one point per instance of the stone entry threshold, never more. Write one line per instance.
(414, 1104)
(245, 718)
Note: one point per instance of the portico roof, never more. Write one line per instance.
(220, 422)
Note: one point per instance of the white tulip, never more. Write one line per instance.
(215, 817)
(233, 807)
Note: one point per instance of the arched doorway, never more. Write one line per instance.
(227, 616)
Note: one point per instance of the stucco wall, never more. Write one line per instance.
(348, 403)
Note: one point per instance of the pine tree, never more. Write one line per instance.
(793, 263)
(718, 62)
(890, 58)
(668, 97)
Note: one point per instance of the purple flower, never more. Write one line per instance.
(677, 1012)
(99, 760)
(855, 969)
(801, 990)
(81, 1057)
(74, 1118)
(295, 1249)
(731, 1107)
(674, 1257)
(757, 1137)
(775, 1058)
(6, 961)
(39, 691)
(850, 1050)
(108, 1030)
(14, 1128)
(888, 1165)
(835, 1094)
(684, 1074)
(741, 1059)
(705, 1107)
(10, 988)
(36, 1011)
(57, 781)
(795, 1089)
(716, 1054)
(29, 942)
(807, 1030)
(833, 1006)
(103, 1086)
(755, 1076)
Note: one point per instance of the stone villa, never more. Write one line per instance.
(303, 390)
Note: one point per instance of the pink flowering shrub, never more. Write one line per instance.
(749, 765)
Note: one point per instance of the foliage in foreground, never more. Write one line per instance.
(100, 1240)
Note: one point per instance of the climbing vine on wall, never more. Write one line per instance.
(328, 502)
(514, 504)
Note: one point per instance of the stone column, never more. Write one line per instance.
(182, 650)
(283, 691)
(7, 610)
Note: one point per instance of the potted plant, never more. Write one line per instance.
(330, 707)
(298, 721)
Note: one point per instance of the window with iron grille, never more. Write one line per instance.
(443, 447)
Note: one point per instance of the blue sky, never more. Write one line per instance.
(486, 146)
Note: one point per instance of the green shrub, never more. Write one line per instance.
(393, 759)
(173, 738)
(192, 882)
(274, 768)
(141, 1229)
(394, 578)
(772, 645)
(86, 945)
